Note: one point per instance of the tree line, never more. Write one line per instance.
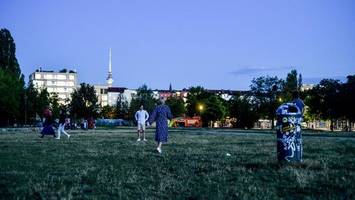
(23, 104)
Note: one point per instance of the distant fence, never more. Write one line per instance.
(20, 130)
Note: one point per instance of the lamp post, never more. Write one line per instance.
(25, 109)
(274, 103)
(200, 108)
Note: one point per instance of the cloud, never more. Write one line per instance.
(251, 70)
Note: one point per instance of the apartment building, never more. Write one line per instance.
(63, 82)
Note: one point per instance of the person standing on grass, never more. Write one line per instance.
(160, 115)
(62, 123)
(141, 117)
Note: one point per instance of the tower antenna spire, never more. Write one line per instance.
(110, 63)
(109, 77)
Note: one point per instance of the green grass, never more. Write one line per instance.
(109, 163)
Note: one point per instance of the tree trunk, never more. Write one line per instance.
(331, 125)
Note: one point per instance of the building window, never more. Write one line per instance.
(48, 76)
(61, 83)
(38, 76)
(70, 83)
(61, 77)
(71, 77)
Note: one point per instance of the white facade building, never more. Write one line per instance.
(306, 87)
(62, 83)
(102, 94)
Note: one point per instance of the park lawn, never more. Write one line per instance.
(105, 164)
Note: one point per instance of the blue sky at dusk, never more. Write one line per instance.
(217, 44)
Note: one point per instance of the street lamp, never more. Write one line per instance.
(25, 109)
(200, 107)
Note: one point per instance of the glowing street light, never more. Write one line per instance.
(200, 107)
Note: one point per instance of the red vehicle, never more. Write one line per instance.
(186, 122)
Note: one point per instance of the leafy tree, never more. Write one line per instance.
(348, 100)
(108, 112)
(122, 107)
(11, 81)
(264, 92)
(292, 84)
(84, 102)
(197, 96)
(11, 89)
(144, 97)
(308, 114)
(8, 61)
(243, 110)
(214, 111)
(177, 106)
(42, 101)
(325, 100)
(54, 104)
(37, 100)
(30, 99)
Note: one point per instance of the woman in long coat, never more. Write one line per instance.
(48, 123)
(160, 115)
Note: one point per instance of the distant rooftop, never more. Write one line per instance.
(60, 71)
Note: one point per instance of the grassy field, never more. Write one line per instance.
(105, 164)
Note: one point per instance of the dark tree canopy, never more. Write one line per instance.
(197, 96)
(265, 92)
(209, 106)
(10, 98)
(8, 61)
(54, 104)
(214, 110)
(11, 81)
(244, 112)
(108, 112)
(349, 98)
(177, 106)
(84, 102)
(144, 97)
(293, 83)
(325, 100)
(122, 107)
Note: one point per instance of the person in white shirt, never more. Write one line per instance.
(141, 117)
